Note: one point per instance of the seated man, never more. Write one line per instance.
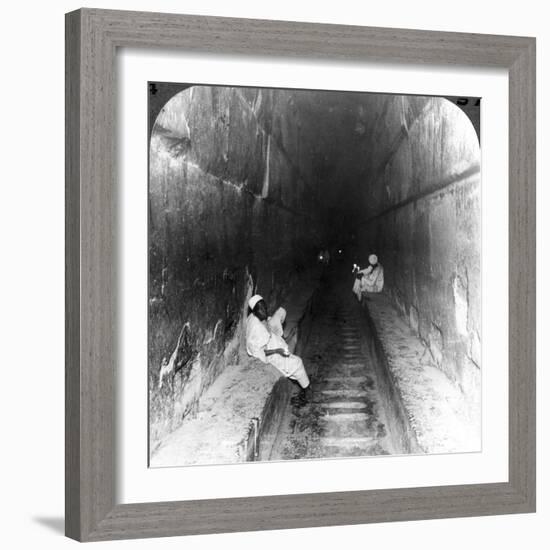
(370, 279)
(264, 340)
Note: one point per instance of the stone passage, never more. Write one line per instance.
(346, 415)
(246, 187)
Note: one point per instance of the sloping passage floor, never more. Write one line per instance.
(345, 415)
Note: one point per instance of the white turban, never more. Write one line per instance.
(373, 259)
(254, 300)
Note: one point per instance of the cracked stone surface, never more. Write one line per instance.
(216, 433)
(437, 410)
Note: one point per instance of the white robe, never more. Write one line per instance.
(262, 336)
(372, 281)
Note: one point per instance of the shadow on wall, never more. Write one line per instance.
(424, 223)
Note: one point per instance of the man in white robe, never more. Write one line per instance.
(370, 279)
(264, 340)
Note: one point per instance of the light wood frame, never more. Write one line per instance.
(92, 39)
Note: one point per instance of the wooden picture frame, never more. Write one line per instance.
(92, 39)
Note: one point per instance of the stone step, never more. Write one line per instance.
(347, 442)
(348, 369)
(336, 413)
(346, 379)
(351, 363)
(343, 393)
(343, 370)
(361, 368)
(345, 415)
(347, 405)
(344, 428)
(352, 358)
(328, 451)
(357, 383)
(345, 412)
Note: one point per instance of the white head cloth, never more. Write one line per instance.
(373, 259)
(254, 300)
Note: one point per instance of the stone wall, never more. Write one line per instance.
(422, 217)
(228, 216)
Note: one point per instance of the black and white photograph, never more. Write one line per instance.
(314, 274)
(270, 275)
